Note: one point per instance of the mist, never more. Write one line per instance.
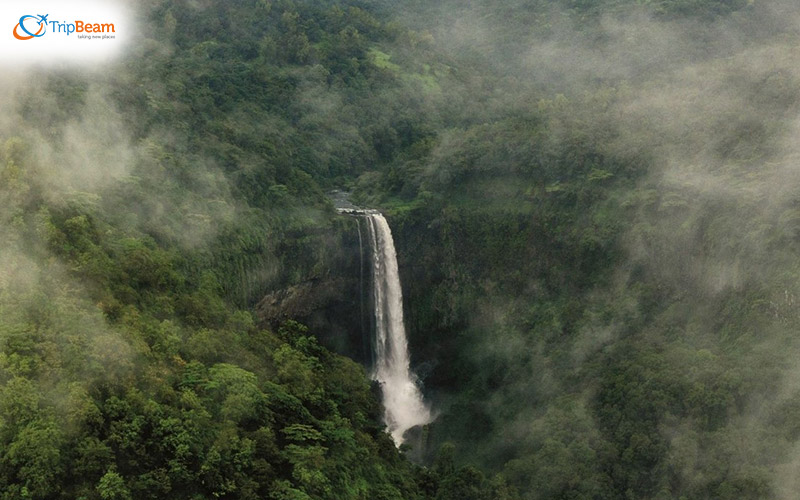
(704, 117)
(594, 209)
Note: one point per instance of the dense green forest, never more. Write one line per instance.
(596, 215)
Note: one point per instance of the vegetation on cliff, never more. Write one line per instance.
(594, 208)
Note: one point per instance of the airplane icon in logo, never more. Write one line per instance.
(40, 19)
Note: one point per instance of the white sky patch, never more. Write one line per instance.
(65, 39)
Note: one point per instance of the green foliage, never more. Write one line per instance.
(112, 487)
(553, 305)
(130, 363)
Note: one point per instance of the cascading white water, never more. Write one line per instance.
(402, 399)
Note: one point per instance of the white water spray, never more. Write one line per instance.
(402, 399)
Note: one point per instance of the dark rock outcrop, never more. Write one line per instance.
(335, 306)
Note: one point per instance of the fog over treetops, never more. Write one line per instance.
(595, 214)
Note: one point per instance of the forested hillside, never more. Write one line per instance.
(595, 211)
(608, 308)
(146, 208)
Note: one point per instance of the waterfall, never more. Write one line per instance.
(402, 398)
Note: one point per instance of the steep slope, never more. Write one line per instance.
(146, 207)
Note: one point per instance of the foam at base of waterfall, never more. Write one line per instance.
(404, 405)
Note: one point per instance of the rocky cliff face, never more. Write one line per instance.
(334, 305)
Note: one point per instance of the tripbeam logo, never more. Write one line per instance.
(30, 32)
(30, 27)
